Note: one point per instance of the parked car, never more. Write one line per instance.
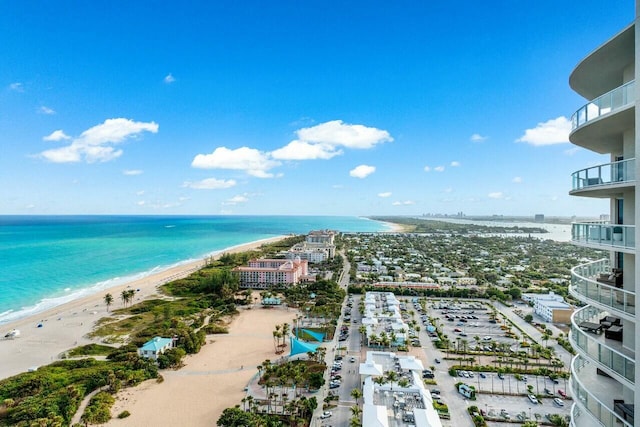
(500, 375)
(437, 360)
(548, 392)
(325, 415)
(352, 359)
(558, 401)
(533, 399)
(482, 375)
(562, 393)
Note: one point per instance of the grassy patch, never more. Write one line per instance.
(90, 350)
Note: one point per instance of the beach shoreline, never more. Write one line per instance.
(45, 335)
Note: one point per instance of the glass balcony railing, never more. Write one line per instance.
(586, 287)
(608, 173)
(609, 353)
(604, 235)
(604, 104)
(587, 403)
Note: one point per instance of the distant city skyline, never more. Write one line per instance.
(365, 108)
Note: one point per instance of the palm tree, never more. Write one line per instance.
(356, 394)
(356, 411)
(108, 300)
(124, 295)
(363, 333)
(390, 377)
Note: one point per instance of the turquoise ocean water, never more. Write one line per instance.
(48, 260)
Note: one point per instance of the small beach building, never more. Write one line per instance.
(155, 347)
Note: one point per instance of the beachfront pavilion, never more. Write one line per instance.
(155, 347)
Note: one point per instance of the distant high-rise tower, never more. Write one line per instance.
(539, 218)
(604, 374)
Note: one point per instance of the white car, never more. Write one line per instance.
(558, 401)
(325, 415)
(533, 399)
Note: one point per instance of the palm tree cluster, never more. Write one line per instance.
(281, 332)
(127, 296)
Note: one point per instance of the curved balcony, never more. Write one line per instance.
(602, 235)
(599, 179)
(593, 395)
(581, 418)
(610, 355)
(602, 69)
(585, 287)
(610, 102)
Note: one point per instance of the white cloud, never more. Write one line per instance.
(140, 193)
(404, 203)
(96, 143)
(141, 203)
(362, 171)
(337, 133)
(554, 131)
(455, 164)
(517, 180)
(476, 137)
(440, 168)
(56, 135)
(235, 200)
(448, 190)
(132, 172)
(169, 78)
(210, 184)
(496, 195)
(250, 160)
(337, 186)
(571, 151)
(16, 87)
(303, 150)
(385, 194)
(46, 110)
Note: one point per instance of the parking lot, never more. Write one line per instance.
(511, 401)
(474, 324)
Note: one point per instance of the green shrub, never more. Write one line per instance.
(123, 414)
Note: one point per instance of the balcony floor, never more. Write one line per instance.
(603, 388)
(613, 344)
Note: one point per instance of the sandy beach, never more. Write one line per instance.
(66, 326)
(210, 381)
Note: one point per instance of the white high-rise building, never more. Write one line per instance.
(604, 333)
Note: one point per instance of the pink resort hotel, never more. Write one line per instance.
(268, 273)
(318, 247)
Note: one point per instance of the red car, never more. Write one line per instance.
(562, 393)
(457, 330)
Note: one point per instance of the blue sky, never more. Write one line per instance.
(337, 108)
